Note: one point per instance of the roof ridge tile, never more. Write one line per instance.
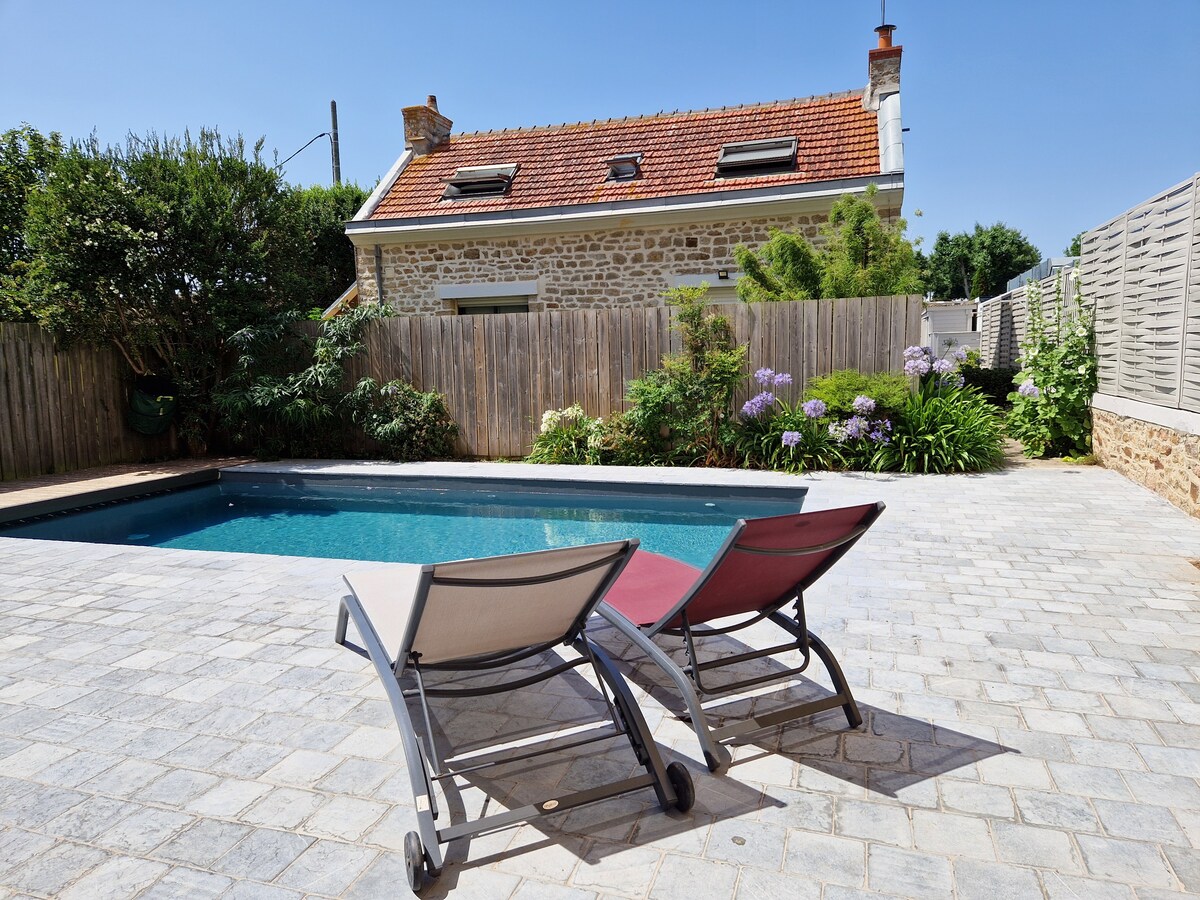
(661, 114)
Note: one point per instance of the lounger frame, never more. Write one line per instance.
(689, 679)
(425, 766)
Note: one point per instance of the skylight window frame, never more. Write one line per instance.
(632, 161)
(479, 182)
(744, 159)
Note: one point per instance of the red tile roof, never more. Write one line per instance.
(564, 165)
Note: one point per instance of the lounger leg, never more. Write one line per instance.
(850, 707)
(716, 756)
(418, 773)
(633, 722)
(343, 617)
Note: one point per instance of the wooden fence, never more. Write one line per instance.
(62, 410)
(1142, 270)
(501, 372)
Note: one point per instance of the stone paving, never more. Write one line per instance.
(1025, 646)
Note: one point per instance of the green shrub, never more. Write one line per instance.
(410, 424)
(1051, 409)
(285, 395)
(943, 429)
(788, 440)
(995, 384)
(567, 437)
(681, 413)
(838, 391)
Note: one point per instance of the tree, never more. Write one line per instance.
(26, 157)
(950, 267)
(325, 267)
(165, 248)
(1076, 247)
(862, 256)
(785, 268)
(979, 263)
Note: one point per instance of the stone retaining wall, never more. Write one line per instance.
(1162, 459)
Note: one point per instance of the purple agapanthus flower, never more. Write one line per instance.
(764, 375)
(942, 366)
(864, 404)
(814, 409)
(960, 354)
(1028, 389)
(879, 436)
(758, 404)
(781, 378)
(791, 438)
(914, 352)
(856, 427)
(919, 366)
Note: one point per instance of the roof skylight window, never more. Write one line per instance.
(625, 167)
(757, 157)
(479, 181)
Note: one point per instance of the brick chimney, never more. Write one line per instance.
(882, 97)
(425, 128)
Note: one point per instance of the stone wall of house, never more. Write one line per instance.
(1162, 459)
(620, 267)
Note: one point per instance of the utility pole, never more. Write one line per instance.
(333, 143)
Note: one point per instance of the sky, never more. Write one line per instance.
(1051, 116)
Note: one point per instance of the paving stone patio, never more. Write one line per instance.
(1025, 646)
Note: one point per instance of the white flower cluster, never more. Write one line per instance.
(553, 418)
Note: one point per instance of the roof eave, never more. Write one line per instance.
(575, 217)
(384, 186)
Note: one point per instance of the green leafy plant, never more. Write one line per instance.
(838, 391)
(568, 437)
(862, 256)
(995, 384)
(410, 424)
(1051, 408)
(785, 268)
(681, 413)
(286, 393)
(943, 429)
(165, 247)
(788, 440)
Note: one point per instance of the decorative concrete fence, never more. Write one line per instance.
(1002, 318)
(1141, 269)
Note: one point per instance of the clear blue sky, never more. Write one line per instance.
(1049, 115)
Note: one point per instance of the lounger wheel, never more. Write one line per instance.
(414, 861)
(681, 783)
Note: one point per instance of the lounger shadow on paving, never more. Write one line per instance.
(477, 616)
(763, 566)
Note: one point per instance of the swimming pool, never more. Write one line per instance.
(406, 521)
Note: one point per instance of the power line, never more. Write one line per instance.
(302, 149)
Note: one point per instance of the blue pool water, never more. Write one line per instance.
(402, 525)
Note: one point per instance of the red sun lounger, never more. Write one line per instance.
(476, 616)
(763, 566)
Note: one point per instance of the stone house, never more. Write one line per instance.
(613, 213)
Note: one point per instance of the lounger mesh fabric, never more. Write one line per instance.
(459, 620)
